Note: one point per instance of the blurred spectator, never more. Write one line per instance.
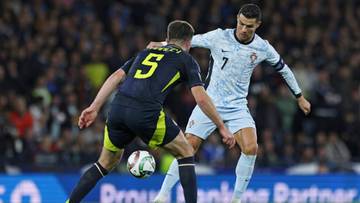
(289, 156)
(21, 118)
(46, 157)
(337, 154)
(287, 108)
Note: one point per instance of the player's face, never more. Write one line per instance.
(246, 27)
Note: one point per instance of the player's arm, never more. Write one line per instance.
(89, 115)
(290, 80)
(154, 44)
(205, 40)
(207, 106)
(107, 88)
(274, 59)
(192, 72)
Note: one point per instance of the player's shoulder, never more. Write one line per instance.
(225, 31)
(187, 57)
(220, 36)
(261, 42)
(188, 60)
(216, 32)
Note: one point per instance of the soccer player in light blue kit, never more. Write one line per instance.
(235, 54)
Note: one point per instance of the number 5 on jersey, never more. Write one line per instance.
(153, 65)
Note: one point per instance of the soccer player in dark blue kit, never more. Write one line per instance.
(137, 109)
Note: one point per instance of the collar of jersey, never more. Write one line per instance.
(176, 46)
(252, 39)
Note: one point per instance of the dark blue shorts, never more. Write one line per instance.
(125, 123)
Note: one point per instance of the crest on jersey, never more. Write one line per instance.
(191, 123)
(253, 57)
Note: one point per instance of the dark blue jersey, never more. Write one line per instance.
(153, 73)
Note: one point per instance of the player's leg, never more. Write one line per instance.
(172, 175)
(194, 141)
(198, 128)
(106, 162)
(169, 136)
(109, 158)
(242, 125)
(247, 140)
(184, 153)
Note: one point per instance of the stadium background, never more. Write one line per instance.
(55, 54)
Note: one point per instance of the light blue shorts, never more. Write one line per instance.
(235, 119)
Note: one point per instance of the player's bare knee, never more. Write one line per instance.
(250, 149)
(188, 151)
(195, 148)
(194, 141)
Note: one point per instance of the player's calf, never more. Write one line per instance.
(247, 140)
(179, 147)
(109, 159)
(88, 180)
(188, 178)
(184, 154)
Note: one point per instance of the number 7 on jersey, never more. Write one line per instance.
(225, 61)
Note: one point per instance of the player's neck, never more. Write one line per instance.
(247, 41)
(177, 44)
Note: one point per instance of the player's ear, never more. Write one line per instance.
(258, 23)
(187, 44)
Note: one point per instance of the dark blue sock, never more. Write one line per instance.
(87, 181)
(188, 179)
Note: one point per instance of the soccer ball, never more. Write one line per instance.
(141, 164)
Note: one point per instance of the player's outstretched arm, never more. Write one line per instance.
(280, 66)
(88, 116)
(304, 105)
(156, 44)
(207, 106)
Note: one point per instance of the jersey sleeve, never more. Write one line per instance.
(205, 40)
(192, 72)
(273, 58)
(127, 65)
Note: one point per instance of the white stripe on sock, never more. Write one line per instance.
(99, 170)
(186, 164)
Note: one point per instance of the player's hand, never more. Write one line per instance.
(227, 137)
(87, 117)
(304, 105)
(156, 44)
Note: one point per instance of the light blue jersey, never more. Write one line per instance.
(233, 64)
(230, 71)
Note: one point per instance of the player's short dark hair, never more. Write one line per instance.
(251, 11)
(180, 30)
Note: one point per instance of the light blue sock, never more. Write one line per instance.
(171, 178)
(244, 170)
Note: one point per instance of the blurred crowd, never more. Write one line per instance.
(54, 56)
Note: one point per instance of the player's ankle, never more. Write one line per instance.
(160, 198)
(236, 201)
